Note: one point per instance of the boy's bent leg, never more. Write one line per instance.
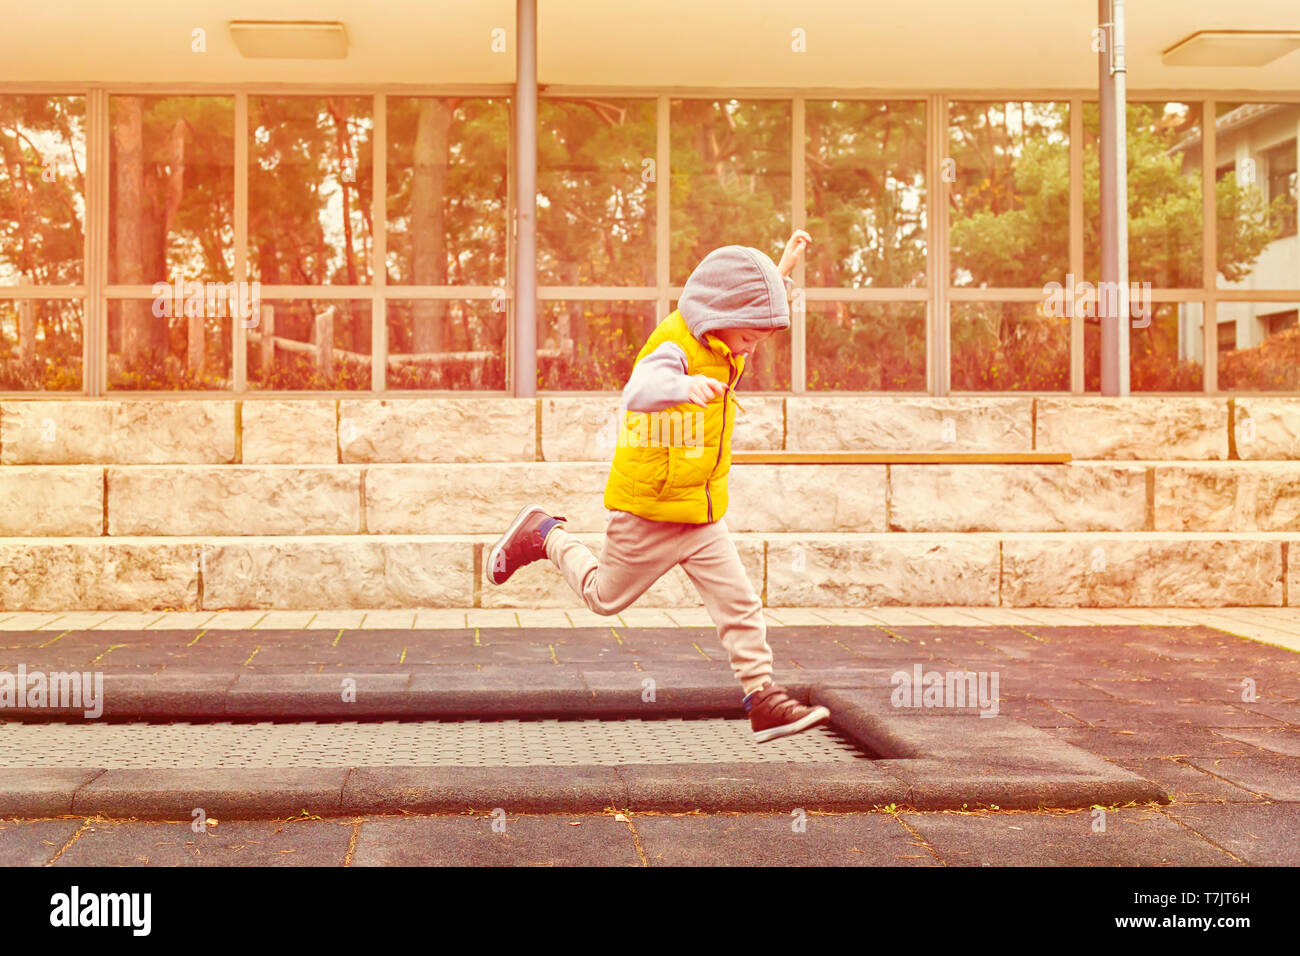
(636, 553)
(714, 568)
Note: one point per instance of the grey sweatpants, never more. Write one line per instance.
(637, 552)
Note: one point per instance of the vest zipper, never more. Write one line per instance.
(722, 435)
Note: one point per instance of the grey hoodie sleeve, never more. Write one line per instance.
(658, 381)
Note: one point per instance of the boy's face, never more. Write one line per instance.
(742, 340)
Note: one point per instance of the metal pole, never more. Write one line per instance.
(1113, 292)
(526, 199)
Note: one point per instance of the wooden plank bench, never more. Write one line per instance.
(898, 458)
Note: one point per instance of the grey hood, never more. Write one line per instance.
(735, 287)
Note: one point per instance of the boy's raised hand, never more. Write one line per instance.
(793, 252)
(704, 389)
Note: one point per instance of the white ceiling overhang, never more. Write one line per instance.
(742, 44)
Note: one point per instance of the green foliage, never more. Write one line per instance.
(144, 373)
(1008, 346)
(1274, 366)
(1010, 229)
(730, 178)
(867, 348)
(296, 372)
(596, 200)
(41, 237)
(458, 376)
(865, 172)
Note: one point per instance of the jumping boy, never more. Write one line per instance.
(668, 496)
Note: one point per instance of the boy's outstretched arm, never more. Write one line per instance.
(659, 381)
(793, 253)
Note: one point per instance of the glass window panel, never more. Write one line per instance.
(1009, 164)
(169, 343)
(768, 367)
(171, 189)
(1009, 346)
(309, 344)
(1164, 194)
(42, 189)
(730, 178)
(1259, 346)
(590, 346)
(596, 192)
(447, 216)
(866, 346)
(468, 354)
(40, 345)
(309, 189)
(1165, 356)
(1255, 171)
(866, 193)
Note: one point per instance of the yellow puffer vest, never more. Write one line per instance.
(672, 465)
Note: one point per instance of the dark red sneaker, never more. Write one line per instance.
(523, 543)
(773, 713)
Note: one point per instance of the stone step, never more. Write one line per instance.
(1063, 569)
(582, 428)
(482, 497)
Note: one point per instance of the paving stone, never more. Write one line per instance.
(1286, 711)
(1041, 685)
(534, 789)
(41, 791)
(1155, 742)
(174, 694)
(581, 840)
(348, 694)
(1186, 783)
(1145, 690)
(34, 842)
(1039, 713)
(496, 653)
(1122, 716)
(1198, 671)
(1269, 775)
(1134, 837)
(226, 843)
(737, 786)
(673, 688)
(1278, 740)
(174, 794)
(505, 691)
(904, 732)
(1016, 784)
(1261, 835)
(797, 838)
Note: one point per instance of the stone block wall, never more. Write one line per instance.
(394, 502)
